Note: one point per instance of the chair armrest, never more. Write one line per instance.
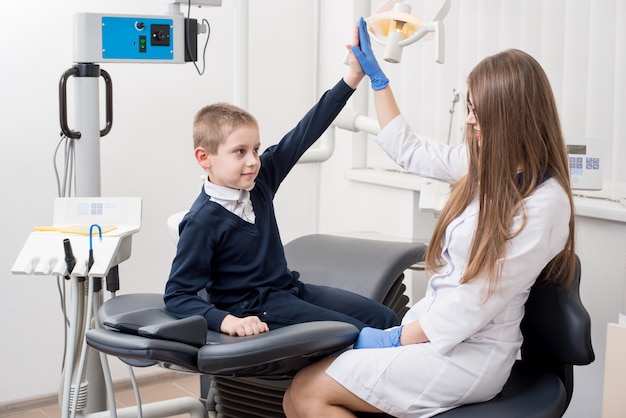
(281, 352)
(191, 330)
(152, 322)
(142, 352)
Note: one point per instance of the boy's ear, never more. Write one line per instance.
(202, 157)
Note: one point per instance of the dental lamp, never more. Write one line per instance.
(393, 26)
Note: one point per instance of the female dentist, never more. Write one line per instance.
(510, 214)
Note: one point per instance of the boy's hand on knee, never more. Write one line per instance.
(241, 327)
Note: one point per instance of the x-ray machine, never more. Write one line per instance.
(88, 224)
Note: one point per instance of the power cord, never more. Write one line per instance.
(64, 184)
(91, 289)
(206, 42)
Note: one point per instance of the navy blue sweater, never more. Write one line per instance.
(229, 257)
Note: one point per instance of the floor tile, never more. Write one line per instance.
(169, 388)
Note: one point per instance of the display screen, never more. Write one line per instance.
(577, 149)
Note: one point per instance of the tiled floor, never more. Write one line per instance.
(170, 388)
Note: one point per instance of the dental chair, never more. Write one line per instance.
(249, 375)
(557, 336)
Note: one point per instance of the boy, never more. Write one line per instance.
(229, 240)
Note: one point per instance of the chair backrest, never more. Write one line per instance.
(364, 266)
(557, 328)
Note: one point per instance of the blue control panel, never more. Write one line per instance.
(137, 38)
(578, 164)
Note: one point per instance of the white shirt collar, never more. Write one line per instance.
(236, 201)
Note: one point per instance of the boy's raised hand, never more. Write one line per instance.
(355, 73)
(363, 52)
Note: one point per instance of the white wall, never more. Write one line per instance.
(148, 152)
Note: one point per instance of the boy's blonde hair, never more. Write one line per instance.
(214, 123)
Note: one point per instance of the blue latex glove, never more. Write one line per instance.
(378, 338)
(366, 58)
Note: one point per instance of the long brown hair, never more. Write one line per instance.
(520, 131)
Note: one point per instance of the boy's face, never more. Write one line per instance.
(236, 163)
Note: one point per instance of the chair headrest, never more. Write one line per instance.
(365, 266)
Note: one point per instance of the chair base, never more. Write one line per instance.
(529, 393)
(249, 397)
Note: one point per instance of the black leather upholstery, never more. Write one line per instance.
(144, 336)
(557, 336)
(364, 266)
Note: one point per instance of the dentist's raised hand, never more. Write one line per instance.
(364, 54)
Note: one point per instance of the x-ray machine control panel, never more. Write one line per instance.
(127, 38)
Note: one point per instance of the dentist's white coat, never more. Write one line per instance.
(473, 341)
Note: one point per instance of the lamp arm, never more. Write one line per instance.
(443, 11)
(440, 32)
(386, 6)
(438, 29)
(440, 42)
